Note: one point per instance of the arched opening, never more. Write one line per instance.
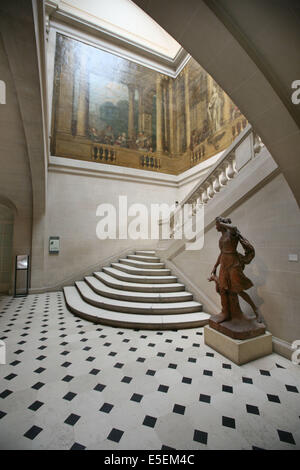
(6, 248)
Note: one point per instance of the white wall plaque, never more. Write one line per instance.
(53, 245)
(22, 262)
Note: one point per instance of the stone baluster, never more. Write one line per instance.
(257, 144)
(230, 169)
(209, 190)
(204, 197)
(222, 176)
(216, 183)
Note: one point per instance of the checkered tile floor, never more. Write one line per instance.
(71, 384)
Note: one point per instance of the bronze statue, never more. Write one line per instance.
(232, 283)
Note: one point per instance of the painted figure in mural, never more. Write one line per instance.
(118, 141)
(93, 134)
(140, 141)
(215, 109)
(232, 281)
(109, 135)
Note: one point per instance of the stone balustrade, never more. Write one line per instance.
(245, 147)
(104, 153)
(150, 162)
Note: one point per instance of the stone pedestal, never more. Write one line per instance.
(238, 351)
(239, 327)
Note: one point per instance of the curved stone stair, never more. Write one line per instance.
(136, 292)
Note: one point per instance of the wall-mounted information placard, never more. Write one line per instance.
(53, 245)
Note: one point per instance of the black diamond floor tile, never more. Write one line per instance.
(10, 376)
(136, 397)
(35, 405)
(200, 436)
(38, 385)
(228, 422)
(149, 421)
(5, 393)
(205, 398)
(115, 435)
(252, 409)
(100, 387)
(247, 380)
(126, 379)
(227, 388)
(33, 432)
(163, 388)
(72, 419)
(68, 378)
(273, 398)
(179, 409)
(77, 446)
(285, 436)
(69, 396)
(106, 407)
(292, 388)
(186, 380)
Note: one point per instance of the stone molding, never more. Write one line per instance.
(96, 170)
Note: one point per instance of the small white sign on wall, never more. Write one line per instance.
(54, 245)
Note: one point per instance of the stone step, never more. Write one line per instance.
(121, 284)
(135, 307)
(141, 271)
(151, 259)
(141, 264)
(145, 252)
(127, 320)
(101, 288)
(118, 274)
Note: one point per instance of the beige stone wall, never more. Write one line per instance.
(270, 220)
(71, 215)
(15, 179)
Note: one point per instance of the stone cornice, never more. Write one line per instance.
(114, 172)
(78, 28)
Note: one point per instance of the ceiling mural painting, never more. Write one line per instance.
(110, 110)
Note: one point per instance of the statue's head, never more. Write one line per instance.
(221, 220)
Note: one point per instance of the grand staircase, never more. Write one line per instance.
(136, 292)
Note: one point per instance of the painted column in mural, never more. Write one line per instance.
(131, 132)
(82, 111)
(159, 121)
(187, 107)
(178, 111)
(165, 110)
(171, 115)
(141, 110)
(65, 99)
